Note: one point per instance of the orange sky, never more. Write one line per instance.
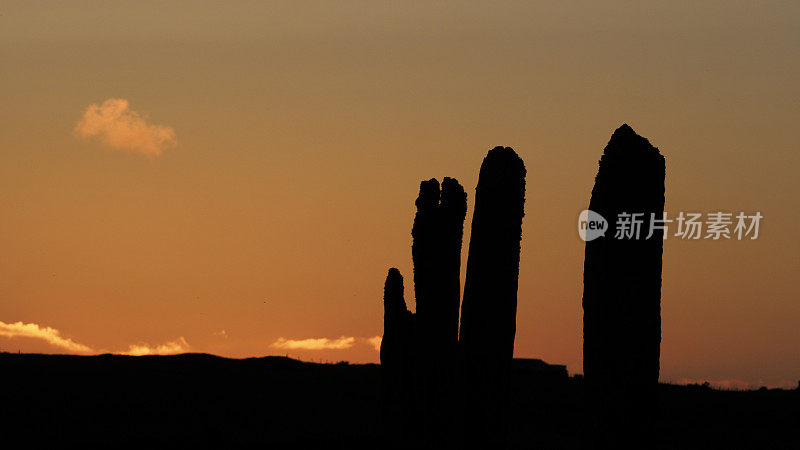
(260, 178)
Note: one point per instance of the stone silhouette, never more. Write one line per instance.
(436, 252)
(418, 351)
(452, 211)
(395, 345)
(426, 258)
(396, 360)
(440, 359)
(622, 294)
(489, 308)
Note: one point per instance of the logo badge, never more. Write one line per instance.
(591, 225)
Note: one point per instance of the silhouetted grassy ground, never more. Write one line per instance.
(198, 400)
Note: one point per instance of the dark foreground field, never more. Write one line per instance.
(198, 400)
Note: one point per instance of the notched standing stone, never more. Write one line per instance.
(436, 251)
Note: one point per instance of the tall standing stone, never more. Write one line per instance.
(622, 294)
(489, 308)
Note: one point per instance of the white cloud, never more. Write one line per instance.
(375, 342)
(341, 343)
(314, 343)
(170, 348)
(50, 335)
(54, 338)
(119, 127)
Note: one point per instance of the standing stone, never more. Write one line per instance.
(489, 308)
(426, 258)
(436, 251)
(396, 363)
(453, 209)
(622, 296)
(396, 342)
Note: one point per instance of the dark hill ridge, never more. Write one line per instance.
(207, 401)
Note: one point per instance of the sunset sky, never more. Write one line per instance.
(237, 177)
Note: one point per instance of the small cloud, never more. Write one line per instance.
(50, 335)
(375, 342)
(119, 127)
(221, 333)
(170, 348)
(315, 343)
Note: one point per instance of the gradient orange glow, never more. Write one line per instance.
(284, 145)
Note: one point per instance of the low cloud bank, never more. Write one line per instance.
(314, 343)
(341, 343)
(53, 337)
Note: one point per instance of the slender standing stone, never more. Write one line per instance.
(395, 354)
(489, 308)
